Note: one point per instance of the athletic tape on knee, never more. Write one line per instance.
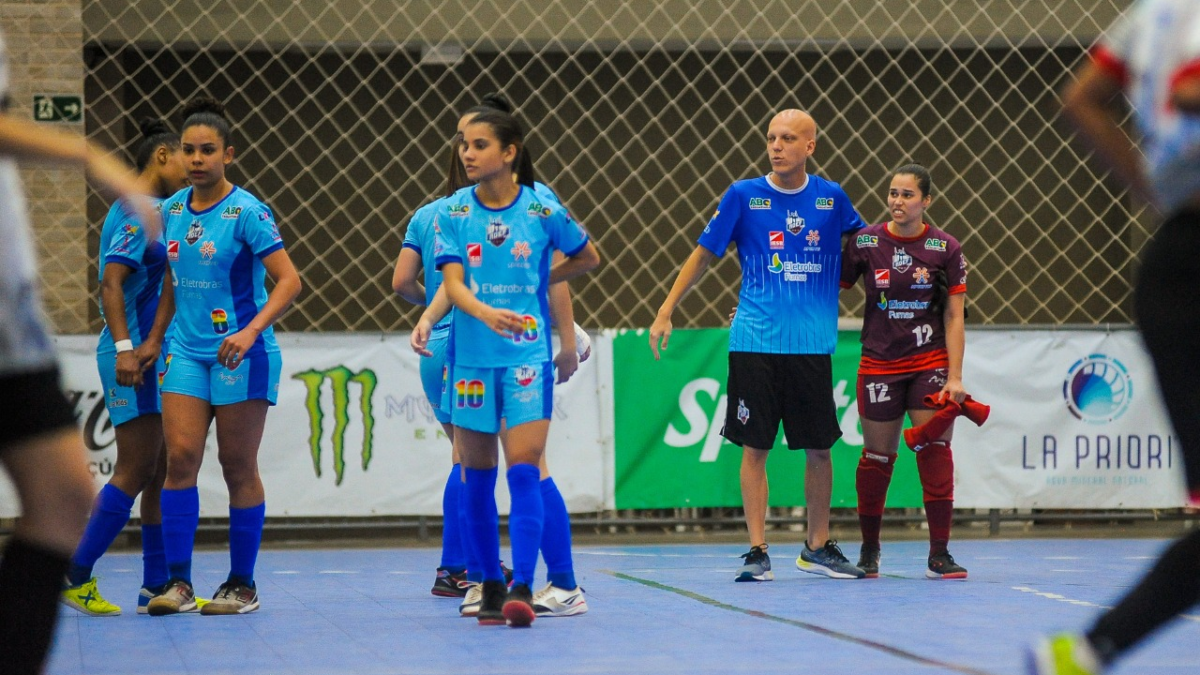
(935, 465)
(871, 481)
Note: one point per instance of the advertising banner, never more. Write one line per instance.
(668, 419)
(352, 434)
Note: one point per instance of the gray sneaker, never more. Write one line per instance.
(757, 567)
(472, 601)
(232, 598)
(176, 598)
(828, 561)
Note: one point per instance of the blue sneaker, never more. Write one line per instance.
(1064, 654)
(757, 567)
(828, 561)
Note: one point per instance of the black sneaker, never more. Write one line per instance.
(757, 567)
(491, 608)
(450, 584)
(942, 566)
(518, 609)
(868, 561)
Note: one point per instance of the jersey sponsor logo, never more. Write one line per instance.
(220, 322)
(176, 209)
(813, 238)
(921, 275)
(743, 412)
(792, 270)
(195, 231)
(883, 278)
(460, 210)
(208, 250)
(275, 236)
(497, 232)
(508, 289)
(173, 250)
(824, 203)
(229, 379)
(536, 209)
(900, 309)
(759, 204)
(199, 284)
(231, 212)
(115, 402)
(794, 222)
(521, 251)
(901, 261)
(867, 241)
(935, 244)
(264, 215)
(469, 394)
(775, 239)
(525, 375)
(340, 378)
(475, 255)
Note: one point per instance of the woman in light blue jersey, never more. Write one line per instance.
(458, 575)
(502, 367)
(131, 277)
(224, 362)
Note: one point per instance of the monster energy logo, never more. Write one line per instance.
(340, 378)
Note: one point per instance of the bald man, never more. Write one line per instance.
(787, 227)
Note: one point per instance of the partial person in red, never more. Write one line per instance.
(915, 278)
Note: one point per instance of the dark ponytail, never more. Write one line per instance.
(155, 133)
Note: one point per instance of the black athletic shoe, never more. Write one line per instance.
(942, 566)
(868, 561)
(491, 609)
(518, 609)
(450, 584)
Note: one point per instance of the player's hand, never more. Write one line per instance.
(147, 354)
(233, 348)
(566, 363)
(953, 391)
(660, 330)
(129, 371)
(504, 322)
(420, 338)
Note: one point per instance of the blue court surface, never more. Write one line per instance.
(653, 609)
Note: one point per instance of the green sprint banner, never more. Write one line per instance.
(668, 416)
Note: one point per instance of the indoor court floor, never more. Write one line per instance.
(652, 609)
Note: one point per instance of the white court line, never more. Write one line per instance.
(286, 572)
(626, 554)
(1062, 557)
(338, 572)
(1081, 603)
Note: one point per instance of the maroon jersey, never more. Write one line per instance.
(898, 278)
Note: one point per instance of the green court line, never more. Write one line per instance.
(820, 630)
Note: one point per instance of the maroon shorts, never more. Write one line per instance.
(882, 398)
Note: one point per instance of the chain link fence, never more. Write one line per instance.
(641, 115)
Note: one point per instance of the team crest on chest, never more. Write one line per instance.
(794, 222)
(195, 231)
(497, 232)
(901, 261)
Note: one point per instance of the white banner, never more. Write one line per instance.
(1077, 422)
(353, 434)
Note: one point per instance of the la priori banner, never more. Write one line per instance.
(1077, 422)
(352, 434)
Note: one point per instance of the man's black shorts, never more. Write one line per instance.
(33, 403)
(766, 389)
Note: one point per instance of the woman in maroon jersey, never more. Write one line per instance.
(915, 278)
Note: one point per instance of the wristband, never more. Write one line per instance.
(124, 345)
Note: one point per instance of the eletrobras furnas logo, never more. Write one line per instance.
(340, 378)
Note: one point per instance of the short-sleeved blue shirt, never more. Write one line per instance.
(790, 246)
(505, 255)
(123, 241)
(216, 260)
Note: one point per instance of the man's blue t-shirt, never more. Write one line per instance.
(123, 241)
(216, 260)
(505, 255)
(790, 247)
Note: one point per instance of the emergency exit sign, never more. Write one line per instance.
(55, 108)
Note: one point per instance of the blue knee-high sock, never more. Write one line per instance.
(154, 557)
(474, 568)
(483, 521)
(180, 516)
(110, 512)
(556, 538)
(453, 556)
(525, 520)
(245, 538)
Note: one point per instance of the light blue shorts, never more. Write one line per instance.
(256, 377)
(128, 403)
(434, 376)
(481, 397)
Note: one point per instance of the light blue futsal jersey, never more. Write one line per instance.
(789, 243)
(216, 259)
(421, 237)
(123, 241)
(505, 256)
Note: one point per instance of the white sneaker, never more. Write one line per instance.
(555, 601)
(472, 600)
